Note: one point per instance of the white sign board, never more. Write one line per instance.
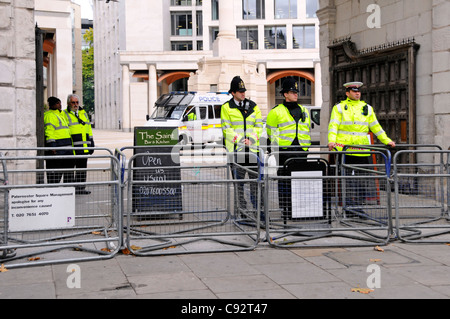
(41, 208)
(307, 194)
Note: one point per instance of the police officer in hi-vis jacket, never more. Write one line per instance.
(351, 122)
(242, 126)
(288, 128)
(81, 132)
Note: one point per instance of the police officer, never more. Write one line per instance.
(81, 132)
(288, 128)
(57, 135)
(242, 126)
(350, 123)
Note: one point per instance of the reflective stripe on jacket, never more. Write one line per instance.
(282, 128)
(238, 125)
(350, 123)
(56, 129)
(81, 133)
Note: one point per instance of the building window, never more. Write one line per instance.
(199, 3)
(248, 37)
(214, 10)
(181, 2)
(199, 23)
(253, 9)
(311, 8)
(182, 23)
(285, 9)
(304, 37)
(275, 37)
(214, 34)
(181, 46)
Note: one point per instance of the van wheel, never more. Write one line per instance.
(182, 140)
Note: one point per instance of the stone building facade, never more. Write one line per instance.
(144, 49)
(372, 25)
(17, 74)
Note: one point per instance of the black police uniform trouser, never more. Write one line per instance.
(357, 190)
(80, 176)
(54, 177)
(248, 163)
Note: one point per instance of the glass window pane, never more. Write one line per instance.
(281, 38)
(310, 37)
(311, 8)
(293, 9)
(181, 46)
(275, 37)
(304, 37)
(269, 37)
(253, 9)
(181, 2)
(248, 37)
(215, 9)
(253, 38)
(285, 9)
(281, 9)
(297, 34)
(199, 23)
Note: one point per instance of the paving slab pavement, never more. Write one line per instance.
(405, 271)
(400, 271)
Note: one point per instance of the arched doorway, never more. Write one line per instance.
(305, 80)
(176, 81)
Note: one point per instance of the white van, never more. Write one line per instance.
(196, 115)
(314, 112)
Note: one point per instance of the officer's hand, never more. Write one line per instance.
(392, 144)
(331, 146)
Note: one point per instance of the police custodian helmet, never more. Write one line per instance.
(289, 84)
(237, 85)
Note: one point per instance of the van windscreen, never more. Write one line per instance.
(171, 106)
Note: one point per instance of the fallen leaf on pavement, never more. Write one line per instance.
(365, 291)
(3, 269)
(34, 258)
(378, 248)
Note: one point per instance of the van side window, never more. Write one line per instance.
(210, 112)
(190, 113)
(217, 111)
(203, 112)
(315, 116)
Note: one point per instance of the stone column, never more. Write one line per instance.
(317, 83)
(152, 88)
(226, 43)
(126, 125)
(327, 22)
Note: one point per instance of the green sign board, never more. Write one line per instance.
(151, 136)
(157, 171)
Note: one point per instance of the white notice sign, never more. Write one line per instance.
(41, 208)
(307, 194)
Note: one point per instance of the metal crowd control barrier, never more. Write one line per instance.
(421, 208)
(311, 203)
(43, 223)
(182, 201)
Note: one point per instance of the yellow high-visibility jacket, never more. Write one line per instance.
(80, 130)
(350, 123)
(237, 126)
(282, 128)
(56, 130)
